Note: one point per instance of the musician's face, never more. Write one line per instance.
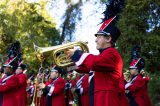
(7, 70)
(102, 42)
(133, 71)
(18, 71)
(69, 76)
(54, 74)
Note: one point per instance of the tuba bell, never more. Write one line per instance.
(58, 53)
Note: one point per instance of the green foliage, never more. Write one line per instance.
(137, 27)
(134, 25)
(154, 88)
(29, 23)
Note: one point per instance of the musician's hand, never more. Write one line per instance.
(41, 85)
(70, 52)
(28, 81)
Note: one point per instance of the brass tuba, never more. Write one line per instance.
(58, 53)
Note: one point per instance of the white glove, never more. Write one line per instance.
(81, 91)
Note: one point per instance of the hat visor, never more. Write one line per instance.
(7, 65)
(53, 70)
(132, 67)
(102, 33)
(19, 68)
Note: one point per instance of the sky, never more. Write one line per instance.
(87, 27)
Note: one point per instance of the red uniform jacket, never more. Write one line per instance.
(84, 98)
(139, 92)
(8, 90)
(57, 92)
(107, 69)
(21, 94)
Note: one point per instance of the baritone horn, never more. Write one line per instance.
(58, 53)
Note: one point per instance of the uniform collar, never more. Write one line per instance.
(101, 50)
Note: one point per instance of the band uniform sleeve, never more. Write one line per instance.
(109, 60)
(10, 84)
(77, 54)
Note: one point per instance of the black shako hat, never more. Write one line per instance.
(111, 16)
(108, 28)
(56, 69)
(22, 66)
(14, 55)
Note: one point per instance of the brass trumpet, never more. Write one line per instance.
(58, 53)
(34, 94)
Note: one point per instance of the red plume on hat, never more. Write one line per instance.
(111, 16)
(134, 64)
(14, 55)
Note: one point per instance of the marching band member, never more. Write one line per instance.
(8, 87)
(46, 79)
(105, 69)
(9, 83)
(21, 91)
(136, 89)
(68, 87)
(54, 89)
(135, 55)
